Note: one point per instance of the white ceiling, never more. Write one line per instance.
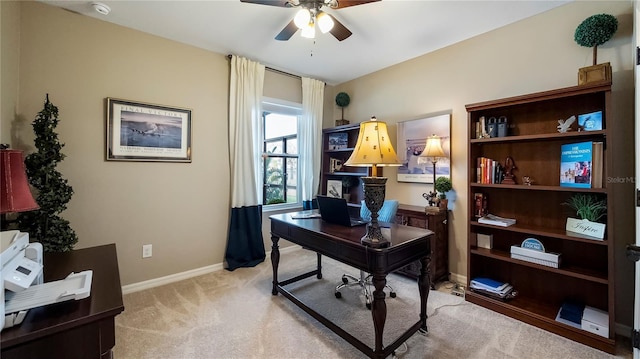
(384, 33)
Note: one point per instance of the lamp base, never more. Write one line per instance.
(374, 190)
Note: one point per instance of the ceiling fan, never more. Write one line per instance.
(311, 15)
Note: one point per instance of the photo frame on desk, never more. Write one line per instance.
(412, 138)
(139, 131)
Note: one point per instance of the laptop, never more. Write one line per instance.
(335, 210)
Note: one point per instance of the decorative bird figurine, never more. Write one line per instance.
(565, 125)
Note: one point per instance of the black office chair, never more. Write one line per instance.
(386, 214)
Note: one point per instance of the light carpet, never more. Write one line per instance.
(233, 315)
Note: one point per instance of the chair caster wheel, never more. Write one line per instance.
(392, 294)
(338, 295)
(345, 280)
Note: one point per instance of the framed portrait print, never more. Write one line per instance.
(412, 138)
(139, 131)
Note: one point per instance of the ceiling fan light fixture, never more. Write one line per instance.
(325, 22)
(309, 31)
(302, 18)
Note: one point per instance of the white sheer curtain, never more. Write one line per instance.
(245, 246)
(310, 136)
(245, 123)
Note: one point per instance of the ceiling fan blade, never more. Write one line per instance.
(347, 3)
(279, 3)
(339, 31)
(287, 32)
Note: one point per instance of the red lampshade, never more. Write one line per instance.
(15, 195)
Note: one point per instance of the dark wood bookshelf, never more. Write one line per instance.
(342, 154)
(585, 272)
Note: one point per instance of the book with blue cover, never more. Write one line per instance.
(489, 284)
(575, 164)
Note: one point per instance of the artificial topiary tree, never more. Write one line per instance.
(44, 225)
(342, 100)
(596, 30)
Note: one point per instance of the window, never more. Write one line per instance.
(280, 152)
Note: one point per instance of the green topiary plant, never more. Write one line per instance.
(44, 225)
(596, 30)
(587, 206)
(443, 185)
(343, 100)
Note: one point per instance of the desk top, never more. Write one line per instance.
(343, 243)
(105, 299)
(399, 234)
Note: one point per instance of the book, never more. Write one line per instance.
(480, 204)
(496, 221)
(488, 284)
(548, 259)
(575, 164)
(590, 121)
(597, 165)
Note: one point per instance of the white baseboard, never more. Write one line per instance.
(156, 282)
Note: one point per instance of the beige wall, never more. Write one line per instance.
(9, 67)
(536, 54)
(182, 209)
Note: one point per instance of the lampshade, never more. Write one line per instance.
(433, 148)
(309, 31)
(15, 194)
(373, 147)
(302, 18)
(324, 21)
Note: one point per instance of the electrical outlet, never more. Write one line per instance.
(147, 251)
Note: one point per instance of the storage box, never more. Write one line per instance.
(485, 241)
(595, 321)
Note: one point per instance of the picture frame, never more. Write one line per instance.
(138, 131)
(338, 141)
(334, 188)
(412, 138)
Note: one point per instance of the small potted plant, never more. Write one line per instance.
(443, 185)
(590, 209)
(347, 183)
(342, 100)
(592, 32)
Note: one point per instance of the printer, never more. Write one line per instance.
(21, 275)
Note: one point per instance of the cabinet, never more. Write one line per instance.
(338, 143)
(415, 216)
(586, 272)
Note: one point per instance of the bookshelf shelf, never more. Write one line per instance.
(585, 273)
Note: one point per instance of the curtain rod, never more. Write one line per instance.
(275, 70)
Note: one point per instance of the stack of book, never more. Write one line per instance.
(492, 288)
(496, 221)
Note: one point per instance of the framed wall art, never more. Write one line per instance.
(412, 138)
(139, 131)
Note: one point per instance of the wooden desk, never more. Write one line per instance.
(80, 329)
(343, 244)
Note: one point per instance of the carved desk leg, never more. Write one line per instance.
(423, 285)
(275, 260)
(379, 309)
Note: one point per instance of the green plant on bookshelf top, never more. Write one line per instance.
(587, 206)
